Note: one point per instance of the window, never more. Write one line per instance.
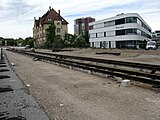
(139, 22)
(100, 34)
(58, 30)
(92, 44)
(157, 31)
(110, 33)
(120, 32)
(108, 24)
(58, 23)
(120, 21)
(50, 20)
(131, 20)
(91, 27)
(144, 26)
(138, 32)
(93, 35)
(131, 31)
(104, 34)
(100, 25)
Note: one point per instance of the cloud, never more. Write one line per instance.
(18, 15)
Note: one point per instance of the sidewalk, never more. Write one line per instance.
(16, 102)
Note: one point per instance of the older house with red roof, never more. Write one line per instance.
(40, 26)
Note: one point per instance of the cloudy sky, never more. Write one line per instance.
(16, 16)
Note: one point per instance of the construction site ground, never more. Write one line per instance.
(69, 94)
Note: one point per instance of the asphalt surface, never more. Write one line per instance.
(16, 102)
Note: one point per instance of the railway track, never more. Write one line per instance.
(151, 78)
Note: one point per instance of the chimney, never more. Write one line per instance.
(49, 8)
(59, 12)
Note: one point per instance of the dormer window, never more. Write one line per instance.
(50, 20)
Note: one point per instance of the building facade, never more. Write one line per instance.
(40, 26)
(156, 37)
(81, 25)
(122, 31)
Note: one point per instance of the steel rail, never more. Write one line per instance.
(127, 74)
(152, 76)
(100, 69)
(115, 62)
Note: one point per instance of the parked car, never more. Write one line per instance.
(151, 45)
(27, 46)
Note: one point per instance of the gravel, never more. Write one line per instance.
(67, 94)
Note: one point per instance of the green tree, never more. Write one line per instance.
(50, 35)
(19, 41)
(10, 42)
(58, 43)
(69, 40)
(3, 42)
(86, 37)
(27, 41)
(80, 42)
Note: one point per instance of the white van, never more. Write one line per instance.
(151, 45)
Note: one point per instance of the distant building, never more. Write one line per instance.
(156, 37)
(81, 25)
(40, 26)
(156, 33)
(122, 31)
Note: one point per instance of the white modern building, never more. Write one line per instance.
(156, 33)
(156, 37)
(122, 31)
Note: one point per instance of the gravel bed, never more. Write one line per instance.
(67, 94)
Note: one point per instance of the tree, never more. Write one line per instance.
(3, 42)
(51, 34)
(86, 37)
(10, 42)
(80, 42)
(27, 41)
(58, 43)
(69, 40)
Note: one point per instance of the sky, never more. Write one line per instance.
(17, 16)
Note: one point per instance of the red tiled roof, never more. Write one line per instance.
(50, 15)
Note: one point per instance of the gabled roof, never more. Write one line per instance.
(49, 16)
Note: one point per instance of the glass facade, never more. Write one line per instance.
(133, 31)
(98, 26)
(100, 34)
(132, 44)
(108, 24)
(122, 21)
(131, 20)
(118, 28)
(126, 44)
(120, 32)
(110, 33)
